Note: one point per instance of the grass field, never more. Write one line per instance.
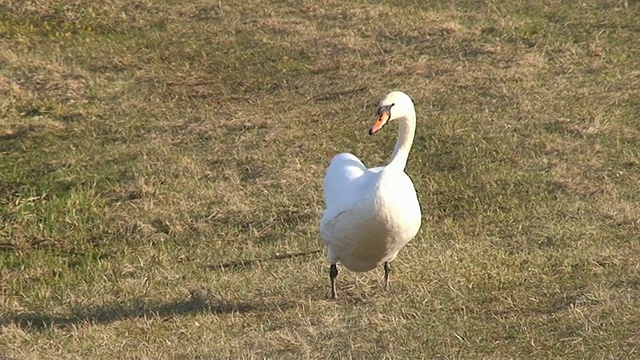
(161, 178)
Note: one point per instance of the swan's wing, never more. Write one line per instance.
(341, 185)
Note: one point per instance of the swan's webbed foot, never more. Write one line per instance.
(333, 273)
(387, 272)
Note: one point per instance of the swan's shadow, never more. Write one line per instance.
(34, 321)
(195, 303)
(245, 264)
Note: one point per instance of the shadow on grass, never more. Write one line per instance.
(34, 321)
(198, 302)
(245, 264)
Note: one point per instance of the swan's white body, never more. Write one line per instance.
(372, 213)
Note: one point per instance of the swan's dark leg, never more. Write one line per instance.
(333, 273)
(387, 272)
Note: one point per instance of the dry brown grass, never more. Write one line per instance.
(160, 178)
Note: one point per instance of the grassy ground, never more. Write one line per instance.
(161, 166)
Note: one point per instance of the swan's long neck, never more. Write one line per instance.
(406, 132)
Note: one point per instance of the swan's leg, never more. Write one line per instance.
(333, 273)
(387, 272)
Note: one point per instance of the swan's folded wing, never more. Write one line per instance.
(341, 181)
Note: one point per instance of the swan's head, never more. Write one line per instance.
(396, 105)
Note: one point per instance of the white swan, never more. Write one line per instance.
(371, 213)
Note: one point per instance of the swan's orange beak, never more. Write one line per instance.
(382, 121)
